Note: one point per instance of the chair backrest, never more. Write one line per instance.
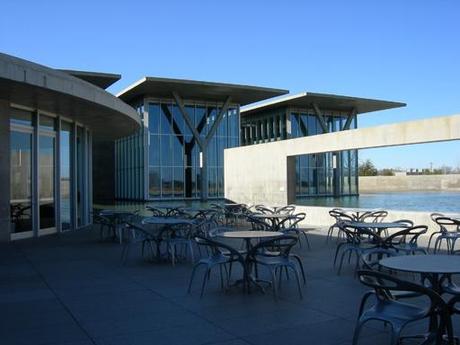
(292, 222)
(136, 232)
(374, 217)
(370, 259)
(205, 227)
(409, 235)
(340, 216)
(218, 248)
(384, 284)
(281, 245)
(435, 215)
(264, 210)
(447, 224)
(258, 224)
(155, 211)
(357, 235)
(289, 209)
(405, 222)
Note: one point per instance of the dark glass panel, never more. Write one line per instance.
(154, 182)
(166, 181)
(47, 122)
(312, 122)
(165, 118)
(178, 142)
(178, 123)
(46, 182)
(179, 182)
(212, 178)
(20, 117)
(154, 150)
(190, 109)
(294, 125)
(154, 118)
(200, 119)
(166, 150)
(21, 181)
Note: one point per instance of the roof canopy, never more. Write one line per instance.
(36, 86)
(197, 90)
(324, 102)
(103, 80)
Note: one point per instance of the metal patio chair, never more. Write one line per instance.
(449, 232)
(405, 240)
(220, 255)
(339, 217)
(433, 217)
(399, 314)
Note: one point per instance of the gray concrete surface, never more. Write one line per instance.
(381, 184)
(103, 171)
(259, 173)
(71, 290)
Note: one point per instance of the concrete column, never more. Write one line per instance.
(4, 171)
(103, 171)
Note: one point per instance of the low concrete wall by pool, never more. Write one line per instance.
(382, 184)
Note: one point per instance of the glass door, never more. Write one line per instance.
(21, 183)
(46, 177)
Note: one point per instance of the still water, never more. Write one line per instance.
(448, 202)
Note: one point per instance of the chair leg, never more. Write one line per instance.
(357, 332)
(297, 279)
(192, 276)
(431, 237)
(306, 240)
(205, 279)
(299, 261)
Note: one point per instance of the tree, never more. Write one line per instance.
(367, 168)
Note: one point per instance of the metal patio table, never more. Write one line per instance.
(248, 236)
(434, 268)
(358, 213)
(378, 227)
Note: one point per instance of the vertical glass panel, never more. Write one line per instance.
(47, 122)
(312, 128)
(303, 125)
(154, 118)
(46, 181)
(80, 175)
(154, 182)
(166, 150)
(166, 181)
(20, 117)
(154, 150)
(178, 123)
(178, 142)
(65, 183)
(212, 114)
(200, 119)
(294, 125)
(21, 181)
(178, 182)
(165, 118)
(191, 112)
(212, 182)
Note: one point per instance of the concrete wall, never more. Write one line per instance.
(4, 171)
(259, 173)
(103, 171)
(376, 184)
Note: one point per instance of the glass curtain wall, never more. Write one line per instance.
(34, 143)
(174, 154)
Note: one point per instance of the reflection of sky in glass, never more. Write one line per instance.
(65, 154)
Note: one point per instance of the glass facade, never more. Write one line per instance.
(172, 154)
(43, 167)
(324, 174)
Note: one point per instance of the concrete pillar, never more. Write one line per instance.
(103, 171)
(4, 171)
(291, 180)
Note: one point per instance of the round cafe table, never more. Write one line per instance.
(358, 213)
(379, 226)
(247, 236)
(435, 268)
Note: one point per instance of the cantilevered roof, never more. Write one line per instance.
(197, 90)
(40, 87)
(324, 102)
(103, 80)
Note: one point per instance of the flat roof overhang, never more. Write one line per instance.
(197, 91)
(102, 80)
(39, 87)
(324, 102)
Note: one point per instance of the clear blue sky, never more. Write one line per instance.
(405, 51)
